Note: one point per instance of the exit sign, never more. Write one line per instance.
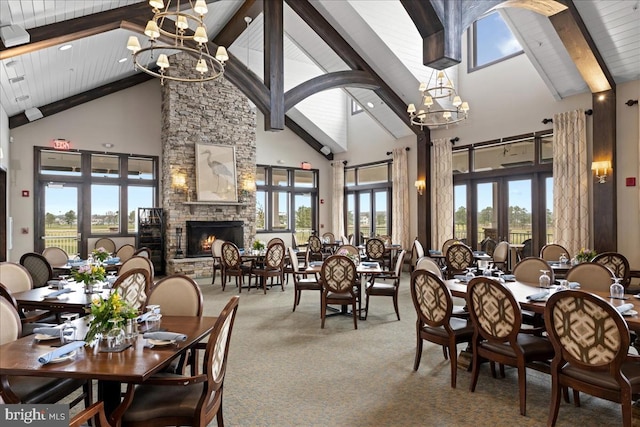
(61, 144)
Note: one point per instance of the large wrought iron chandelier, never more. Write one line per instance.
(171, 31)
(449, 109)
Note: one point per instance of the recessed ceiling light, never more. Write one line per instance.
(121, 60)
(65, 47)
(370, 104)
(16, 79)
(107, 145)
(11, 64)
(22, 98)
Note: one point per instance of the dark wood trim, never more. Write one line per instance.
(4, 244)
(236, 25)
(274, 63)
(423, 204)
(605, 201)
(305, 136)
(356, 78)
(319, 24)
(81, 98)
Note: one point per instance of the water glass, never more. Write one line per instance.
(617, 290)
(67, 331)
(544, 281)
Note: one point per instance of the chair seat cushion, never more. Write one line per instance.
(308, 284)
(381, 289)
(603, 379)
(163, 401)
(334, 296)
(460, 327)
(41, 389)
(534, 347)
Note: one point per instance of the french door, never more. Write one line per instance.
(58, 220)
(368, 214)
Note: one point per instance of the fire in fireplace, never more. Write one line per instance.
(202, 234)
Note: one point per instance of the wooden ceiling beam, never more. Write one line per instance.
(333, 39)
(274, 63)
(236, 25)
(582, 49)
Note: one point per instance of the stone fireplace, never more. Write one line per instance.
(202, 234)
(215, 112)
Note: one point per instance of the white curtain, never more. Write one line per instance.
(400, 198)
(337, 204)
(571, 176)
(441, 193)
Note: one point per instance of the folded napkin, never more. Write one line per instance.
(538, 296)
(315, 263)
(460, 277)
(574, 285)
(144, 316)
(113, 261)
(60, 352)
(164, 336)
(58, 292)
(434, 252)
(509, 277)
(53, 282)
(624, 308)
(52, 331)
(369, 264)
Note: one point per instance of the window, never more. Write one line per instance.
(286, 200)
(491, 41)
(507, 194)
(86, 194)
(368, 200)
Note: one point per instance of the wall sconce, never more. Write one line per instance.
(420, 186)
(601, 170)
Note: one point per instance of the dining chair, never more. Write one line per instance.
(93, 415)
(500, 255)
(428, 264)
(234, 266)
(216, 254)
(447, 244)
(57, 257)
(301, 281)
(314, 249)
(591, 343)
(15, 277)
(527, 249)
(374, 288)
(552, 252)
(349, 249)
(185, 400)
(591, 276)
(16, 389)
(617, 263)
(345, 240)
(29, 319)
(144, 252)
(134, 286)
(125, 252)
(38, 267)
(137, 262)
(178, 295)
(275, 240)
(488, 245)
(272, 266)
(328, 237)
(458, 259)
(301, 252)
(498, 336)
(375, 251)
(434, 306)
(417, 252)
(529, 270)
(106, 243)
(338, 280)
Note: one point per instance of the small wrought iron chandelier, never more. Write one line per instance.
(175, 25)
(438, 88)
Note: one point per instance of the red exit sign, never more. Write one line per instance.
(61, 144)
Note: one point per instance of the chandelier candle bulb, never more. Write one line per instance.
(151, 30)
(200, 35)
(133, 44)
(200, 8)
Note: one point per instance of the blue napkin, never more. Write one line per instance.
(434, 252)
(460, 277)
(52, 331)
(315, 263)
(624, 308)
(574, 285)
(113, 261)
(144, 316)
(58, 292)
(370, 264)
(60, 352)
(538, 296)
(164, 336)
(509, 277)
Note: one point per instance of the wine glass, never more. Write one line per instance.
(616, 289)
(544, 281)
(470, 274)
(68, 331)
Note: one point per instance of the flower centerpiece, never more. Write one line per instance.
(258, 245)
(353, 257)
(108, 313)
(585, 255)
(89, 274)
(100, 254)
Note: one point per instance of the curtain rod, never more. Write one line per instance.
(588, 112)
(391, 152)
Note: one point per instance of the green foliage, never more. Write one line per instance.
(49, 218)
(70, 217)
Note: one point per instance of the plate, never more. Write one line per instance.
(43, 337)
(66, 357)
(637, 296)
(629, 313)
(160, 342)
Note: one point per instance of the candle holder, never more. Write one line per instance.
(179, 253)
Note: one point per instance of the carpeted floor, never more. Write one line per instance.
(283, 370)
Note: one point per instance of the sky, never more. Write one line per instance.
(494, 39)
(58, 201)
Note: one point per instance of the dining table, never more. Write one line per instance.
(521, 291)
(559, 269)
(74, 301)
(134, 364)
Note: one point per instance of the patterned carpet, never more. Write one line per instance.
(284, 370)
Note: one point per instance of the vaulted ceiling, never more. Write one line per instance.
(371, 51)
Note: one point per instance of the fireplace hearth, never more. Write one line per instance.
(201, 235)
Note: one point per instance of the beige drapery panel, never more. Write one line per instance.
(337, 204)
(400, 198)
(571, 176)
(441, 193)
